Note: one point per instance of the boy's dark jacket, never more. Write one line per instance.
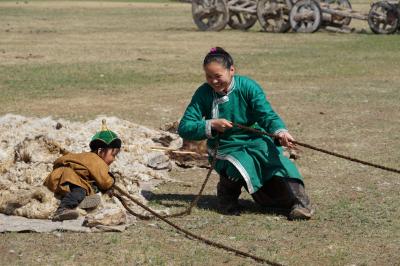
(81, 169)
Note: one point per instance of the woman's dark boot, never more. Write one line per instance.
(228, 193)
(301, 208)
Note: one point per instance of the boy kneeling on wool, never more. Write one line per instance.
(76, 177)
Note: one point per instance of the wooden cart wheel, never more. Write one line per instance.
(305, 16)
(242, 20)
(383, 18)
(210, 15)
(338, 21)
(274, 15)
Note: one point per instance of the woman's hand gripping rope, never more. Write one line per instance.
(286, 140)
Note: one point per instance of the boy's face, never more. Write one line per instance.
(108, 155)
(218, 77)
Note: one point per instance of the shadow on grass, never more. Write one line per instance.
(207, 202)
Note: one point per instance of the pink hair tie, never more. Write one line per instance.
(213, 50)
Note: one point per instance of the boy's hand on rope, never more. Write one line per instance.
(286, 140)
(221, 125)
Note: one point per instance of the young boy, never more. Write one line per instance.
(76, 177)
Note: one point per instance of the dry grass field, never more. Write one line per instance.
(141, 61)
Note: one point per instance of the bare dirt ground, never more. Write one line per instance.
(142, 62)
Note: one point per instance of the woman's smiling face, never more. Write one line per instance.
(218, 77)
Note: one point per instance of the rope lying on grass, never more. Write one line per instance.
(190, 234)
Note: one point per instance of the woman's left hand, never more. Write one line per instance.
(285, 139)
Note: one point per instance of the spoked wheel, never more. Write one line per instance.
(274, 15)
(210, 15)
(383, 18)
(242, 20)
(338, 21)
(305, 16)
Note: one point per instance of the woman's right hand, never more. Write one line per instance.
(221, 125)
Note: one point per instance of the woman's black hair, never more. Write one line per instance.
(219, 55)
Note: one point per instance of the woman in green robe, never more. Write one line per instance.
(243, 158)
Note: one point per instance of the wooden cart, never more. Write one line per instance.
(299, 15)
(310, 15)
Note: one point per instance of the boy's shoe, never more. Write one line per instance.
(300, 213)
(90, 202)
(62, 214)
